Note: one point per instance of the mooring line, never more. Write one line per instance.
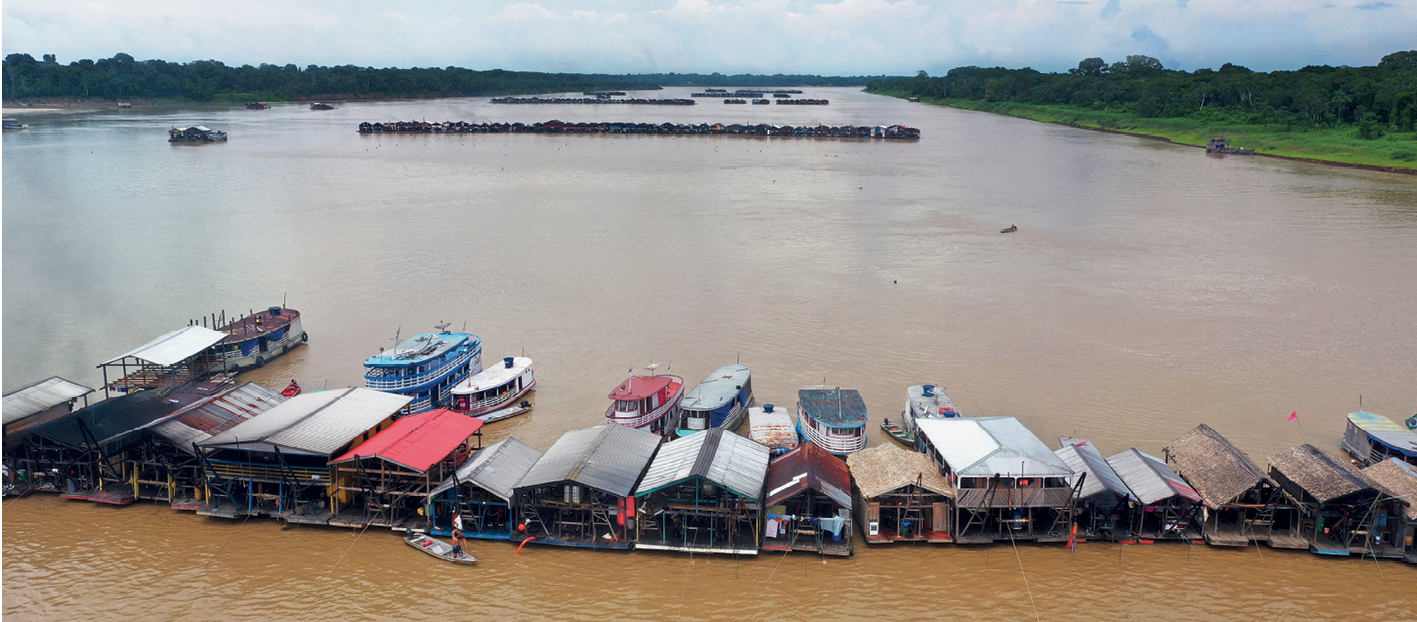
(228, 541)
(1025, 578)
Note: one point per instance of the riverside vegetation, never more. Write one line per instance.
(1363, 116)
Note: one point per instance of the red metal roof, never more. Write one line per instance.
(640, 387)
(808, 466)
(417, 441)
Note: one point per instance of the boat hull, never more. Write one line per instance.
(438, 549)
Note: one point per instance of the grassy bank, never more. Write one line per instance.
(1395, 152)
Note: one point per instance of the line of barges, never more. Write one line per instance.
(556, 126)
(638, 101)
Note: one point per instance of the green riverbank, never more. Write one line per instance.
(1394, 152)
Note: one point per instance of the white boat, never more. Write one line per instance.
(926, 401)
(437, 548)
(495, 389)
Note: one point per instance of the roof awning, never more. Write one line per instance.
(418, 441)
(174, 347)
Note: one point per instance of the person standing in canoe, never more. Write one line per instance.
(458, 542)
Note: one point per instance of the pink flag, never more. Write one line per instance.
(1292, 416)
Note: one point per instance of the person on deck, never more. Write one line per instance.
(292, 384)
(458, 542)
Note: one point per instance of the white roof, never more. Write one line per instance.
(174, 347)
(984, 447)
(318, 423)
(494, 376)
(41, 396)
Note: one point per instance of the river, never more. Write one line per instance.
(1149, 288)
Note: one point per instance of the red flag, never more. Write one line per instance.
(1292, 416)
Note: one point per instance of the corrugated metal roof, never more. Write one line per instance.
(718, 388)
(496, 468)
(809, 466)
(318, 423)
(41, 396)
(418, 441)
(174, 347)
(719, 456)
(984, 447)
(214, 415)
(835, 407)
(1386, 431)
(1148, 477)
(109, 418)
(607, 457)
(1083, 457)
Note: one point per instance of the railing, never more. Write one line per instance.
(487, 403)
(837, 444)
(399, 383)
(1014, 497)
(642, 421)
(272, 473)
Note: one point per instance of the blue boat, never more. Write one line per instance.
(720, 401)
(833, 418)
(425, 367)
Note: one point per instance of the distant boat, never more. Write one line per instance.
(494, 388)
(720, 401)
(195, 134)
(124, 105)
(257, 106)
(1222, 146)
(647, 402)
(11, 124)
(321, 106)
(1009, 229)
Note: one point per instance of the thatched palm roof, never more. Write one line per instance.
(1319, 473)
(1219, 471)
(884, 468)
(1397, 479)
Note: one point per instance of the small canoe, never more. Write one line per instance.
(898, 433)
(506, 413)
(1010, 229)
(437, 548)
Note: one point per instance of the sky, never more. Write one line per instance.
(846, 37)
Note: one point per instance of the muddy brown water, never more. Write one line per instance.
(1149, 288)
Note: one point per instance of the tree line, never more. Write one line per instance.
(1374, 99)
(123, 77)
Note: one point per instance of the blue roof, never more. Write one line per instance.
(837, 408)
(717, 389)
(420, 348)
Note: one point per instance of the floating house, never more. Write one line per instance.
(278, 463)
(1241, 503)
(808, 503)
(1398, 480)
(720, 401)
(385, 481)
(647, 403)
(1372, 438)
(195, 134)
(480, 494)
(1170, 508)
(1008, 484)
(425, 367)
(900, 496)
(703, 494)
(833, 418)
(772, 427)
(175, 359)
(1338, 507)
(581, 492)
(38, 403)
(494, 388)
(1104, 503)
(254, 339)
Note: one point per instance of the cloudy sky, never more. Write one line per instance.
(846, 37)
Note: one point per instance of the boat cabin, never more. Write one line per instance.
(494, 388)
(425, 367)
(252, 340)
(720, 401)
(1372, 438)
(480, 494)
(926, 401)
(1397, 480)
(1008, 484)
(1338, 507)
(647, 403)
(1169, 508)
(900, 496)
(581, 492)
(808, 503)
(833, 418)
(703, 494)
(386, 480)
(772, 427)
(1242, 503)
(1104, 503)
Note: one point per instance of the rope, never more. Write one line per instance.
(351, 544)
(1025, 577)
(223, 545)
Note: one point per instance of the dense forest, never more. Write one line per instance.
(1373, 99)
(123, 77)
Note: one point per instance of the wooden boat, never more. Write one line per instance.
(898, 433)
(1009, 229)
(437, 548)
(252, 340)
(720, 401)
(506, 413)
(495, 388)
(833, 418)
(647, 402)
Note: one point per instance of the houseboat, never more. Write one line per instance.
(772, 427)
(833, 418)
(195, 134)
(321, 106)
(922, 401)
(720, 401)
(12, 124)
(1220, 145)
(254, 339)
(257, 106)
(495, 388)
(647, 403)
(1372, 438)
(425, 367)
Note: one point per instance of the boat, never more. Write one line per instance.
(494, 388)
(720, 401)
(257, 106)
(1009, 229)
(291, 390)
(425, 367)
(255, 339)
(1222, 146)
(12, 124)
(647, 402)
(924, 401)
(195, 134)
(124, 105)
(832, 417)
(505, 413)
(321, 106)
(898, 433)
(772, 427)
(437, 548)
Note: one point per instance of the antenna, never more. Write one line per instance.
(442, 326)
